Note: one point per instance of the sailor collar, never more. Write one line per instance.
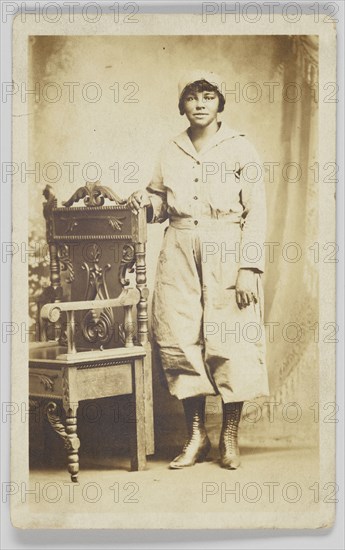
(224, 132)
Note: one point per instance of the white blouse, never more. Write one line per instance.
(223, 179)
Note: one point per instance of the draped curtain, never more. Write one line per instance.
(291, 280)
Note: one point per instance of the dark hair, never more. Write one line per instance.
(201, 86)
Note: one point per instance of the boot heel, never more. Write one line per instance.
(204, 452)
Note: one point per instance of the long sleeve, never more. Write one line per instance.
(254, 215)
(158, 194)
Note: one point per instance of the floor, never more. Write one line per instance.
(275, 483)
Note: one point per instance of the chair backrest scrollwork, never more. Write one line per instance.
(93, 251)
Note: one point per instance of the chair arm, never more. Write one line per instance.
(52, 312)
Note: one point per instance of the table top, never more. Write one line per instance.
(53, 353)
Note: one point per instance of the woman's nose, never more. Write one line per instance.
(200, 104)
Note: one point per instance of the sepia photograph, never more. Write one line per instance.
(174, 290)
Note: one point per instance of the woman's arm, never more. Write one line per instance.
(154, 197)
(252, 259)
(254, 214)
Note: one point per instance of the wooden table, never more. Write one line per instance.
(74, 377)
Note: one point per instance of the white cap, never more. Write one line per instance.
(198, 74)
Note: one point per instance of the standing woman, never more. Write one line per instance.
(208, 302)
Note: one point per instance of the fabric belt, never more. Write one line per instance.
(205, 222)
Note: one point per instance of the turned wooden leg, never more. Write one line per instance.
(68, 434)
(137, 428)
(72, 443)
(70, 404)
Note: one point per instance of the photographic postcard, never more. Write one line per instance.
(174, 257)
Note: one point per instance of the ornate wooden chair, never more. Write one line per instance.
(93, 346)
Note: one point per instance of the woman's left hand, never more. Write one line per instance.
(246, 289)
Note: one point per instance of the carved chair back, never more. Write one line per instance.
(97, 252)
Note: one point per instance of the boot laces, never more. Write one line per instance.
(196, 430)
(230, 431)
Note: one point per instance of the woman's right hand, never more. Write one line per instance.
(138, 199)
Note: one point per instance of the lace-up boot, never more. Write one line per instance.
(228, 444)
(198, 444)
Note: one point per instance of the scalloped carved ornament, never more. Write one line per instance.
(94, 194)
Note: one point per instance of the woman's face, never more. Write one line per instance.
(201, 108)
